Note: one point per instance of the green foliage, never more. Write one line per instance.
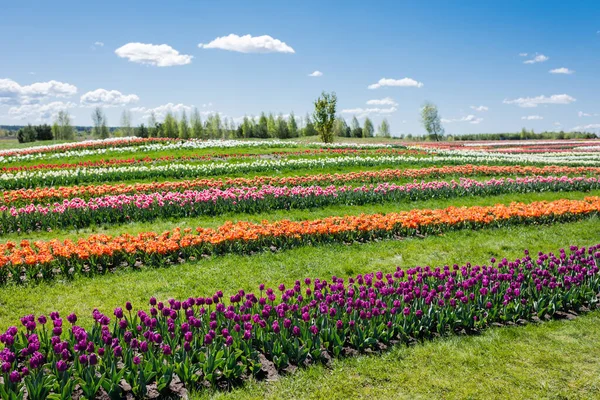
(431, 120)
(126, 128)
(271, 126)
(100, 128)
(368, 128)
(43, 132)
(62, 128)
(184, 127)
(283, 131)
(384, 129)
(197, 130)
(324, 116)
(262, 129)
(355, 128)
(292, 125)
(141, 131)
(309, 129)
(170, 129)
(26, 134)
(214, 126)
(340, 128)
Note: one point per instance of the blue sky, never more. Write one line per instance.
(460, 56)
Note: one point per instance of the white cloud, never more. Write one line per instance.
(557, 123)
(13, 93)
(527, 102)
(316, 74)
(479, 108)
(469, 118)
(162, 110)
(404, 82)
(538, 58)
(586, 127)
(532, 117)
(248, 44)
(40, 112)
(582, 114)
(99, 44)
(386, 101)
(364, 112)
(158, 55)
(107, 98)
(522, 54)
(562, 70)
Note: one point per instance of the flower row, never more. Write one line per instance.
(205, 157)
(218, 340)
(41, 194)
(486, 156)
(139, 145)
(99, 253)
(30, 179)
(83, 145)
(78, 213)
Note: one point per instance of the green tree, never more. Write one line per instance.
(100, 128)
(170, 129)
(262, 129)
(55, 130)
(184, 127)
(282, 128)
(324, 116)
(196, 122)
(368, 128)
(43, 132)
(355, 128)
(271, 126)
(126, 123)
(26, 134)
(141, 131)
(247, 128)
(292, 125)
(431, 119)
(309, 129)
(65, 130)
(152, 125)
(339, 127)
(384, 129)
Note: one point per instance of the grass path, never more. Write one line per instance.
(553, 360)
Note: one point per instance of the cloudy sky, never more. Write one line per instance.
(489, 67)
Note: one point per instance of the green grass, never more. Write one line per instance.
(232, 272)
(335, 210)
(553, 360)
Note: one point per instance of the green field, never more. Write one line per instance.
(556, 359)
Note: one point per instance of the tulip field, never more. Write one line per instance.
(163, 268)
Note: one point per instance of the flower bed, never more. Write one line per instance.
(32, 179)
(111, 162)
(210, 340)
(78, 213)
(65, 192)
(98, 253)
(142, 145)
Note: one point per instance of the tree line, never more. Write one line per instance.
(323, 122)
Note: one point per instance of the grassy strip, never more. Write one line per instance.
(231, 272)
(558, 359)
(293, 215)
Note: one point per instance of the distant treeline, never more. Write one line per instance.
(523, 135)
